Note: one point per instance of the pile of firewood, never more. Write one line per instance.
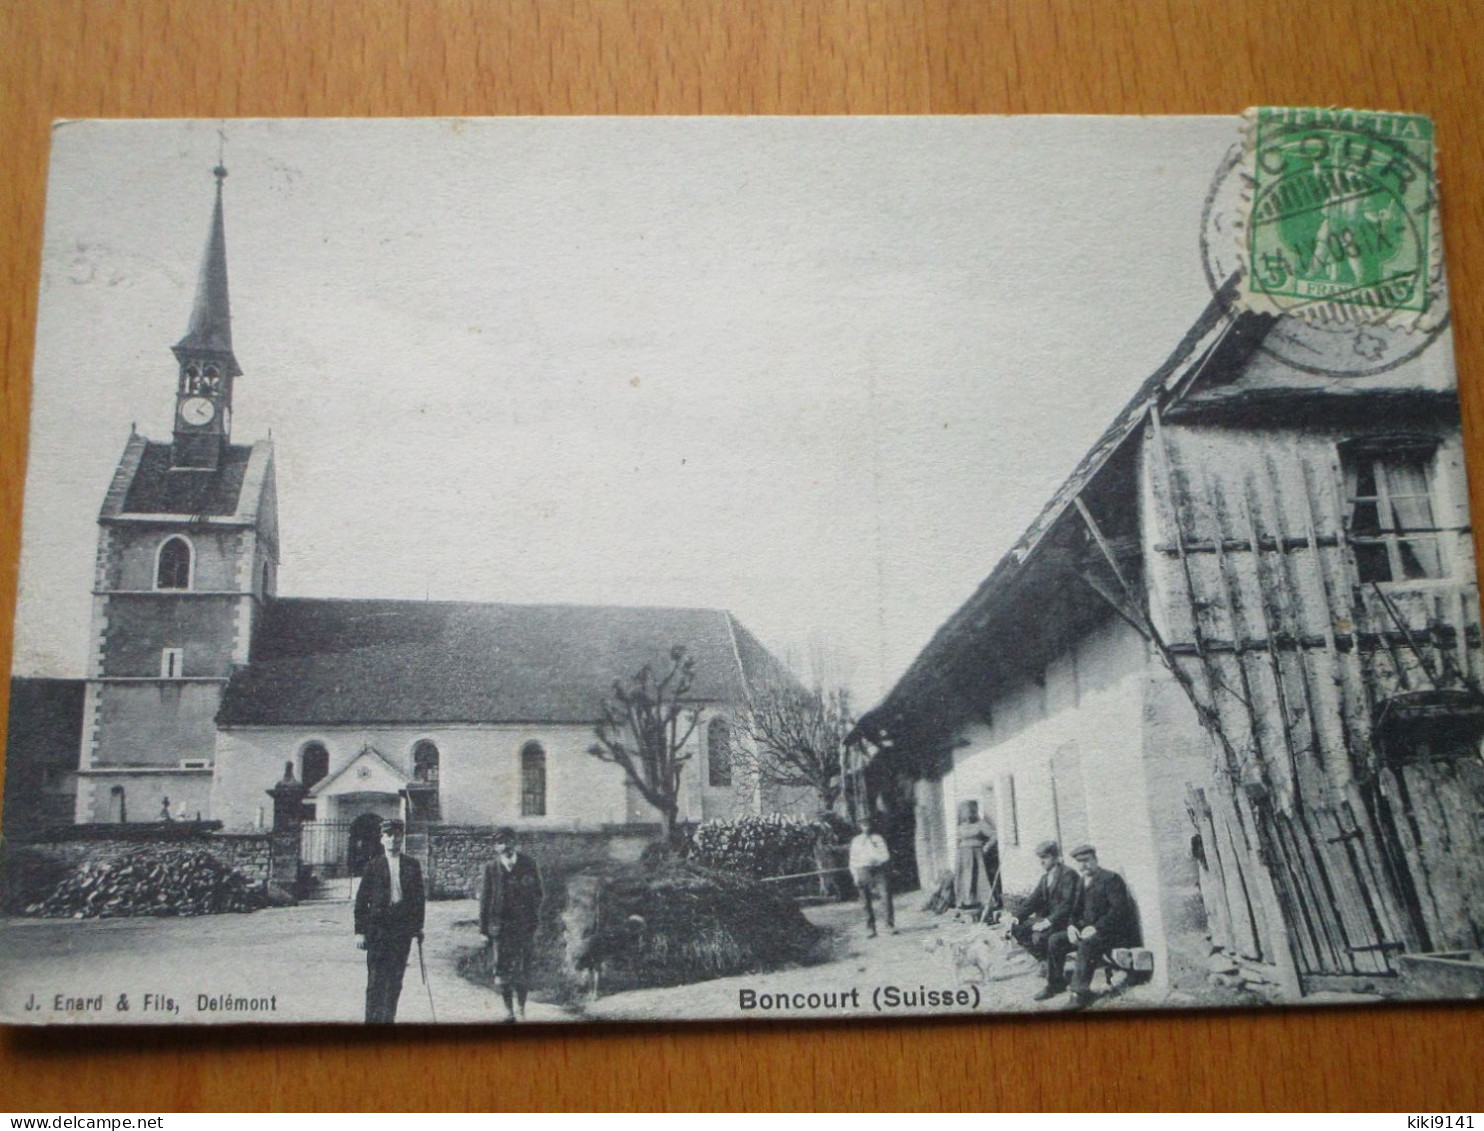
(164, 882)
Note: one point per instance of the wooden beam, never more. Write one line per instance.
(1097, 536)
(1135, 621)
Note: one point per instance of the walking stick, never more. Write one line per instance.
(423, 967)
(988, 908)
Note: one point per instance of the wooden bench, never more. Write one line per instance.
(1135, 961)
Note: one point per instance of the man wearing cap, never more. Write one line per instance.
(1049, 909)
(1104, 918)
(390, 904)
(509, 913)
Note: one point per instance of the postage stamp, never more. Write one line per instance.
(1341, 210)
(1327, 218)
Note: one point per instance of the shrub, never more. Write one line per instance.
(758, 847)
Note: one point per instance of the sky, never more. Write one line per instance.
(820, 372)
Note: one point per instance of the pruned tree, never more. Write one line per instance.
(796, 740)
(644, 728)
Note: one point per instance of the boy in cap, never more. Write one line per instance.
(869, 858)
(509, 913)
(390, 904)
(1104, 919)
(1049, 909)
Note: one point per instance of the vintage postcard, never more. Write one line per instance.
(513, 571)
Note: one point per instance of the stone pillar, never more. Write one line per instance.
(288, 818)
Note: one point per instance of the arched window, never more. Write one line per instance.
(425, 762)
(532, 780)
(314, 763)
(173, 568)
(719, 753)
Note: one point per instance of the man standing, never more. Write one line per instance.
(869, 857)
(1049, 910)
(1104, 918)
(390, 905)
(509, 913)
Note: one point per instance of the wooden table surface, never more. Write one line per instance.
(212, 58)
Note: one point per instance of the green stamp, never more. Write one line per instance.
(1342, 212)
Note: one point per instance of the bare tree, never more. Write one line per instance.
(644, 728)
(795, 740)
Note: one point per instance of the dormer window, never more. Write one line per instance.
(1391, 525)
(173, 568)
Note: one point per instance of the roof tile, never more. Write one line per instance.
(325, 662)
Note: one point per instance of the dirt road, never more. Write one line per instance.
(292, 964)
(300, 964)
(912, 972)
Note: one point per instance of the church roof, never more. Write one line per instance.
(327, 662)
(210, 329)
(158, 487)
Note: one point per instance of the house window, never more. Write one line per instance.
(314, 763)
(425, 762)
(1392, 529)
(173, 568)
(719, 753)
(532, 780)
(172, 663)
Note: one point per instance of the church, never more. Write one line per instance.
(205, 687)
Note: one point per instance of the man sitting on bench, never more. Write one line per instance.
(1104, 919)
(1048, 912)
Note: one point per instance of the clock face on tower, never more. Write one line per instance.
(197, 411)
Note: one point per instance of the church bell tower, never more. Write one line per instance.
(187, 560)
(203, 396)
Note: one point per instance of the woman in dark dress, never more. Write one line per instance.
(971, 878)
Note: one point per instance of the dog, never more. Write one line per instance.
(976, 955)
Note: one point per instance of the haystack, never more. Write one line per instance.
(682, 923)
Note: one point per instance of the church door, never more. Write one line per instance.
(365, 841)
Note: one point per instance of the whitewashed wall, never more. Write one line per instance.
(1083, 723)
(479, 772)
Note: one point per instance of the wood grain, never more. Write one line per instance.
(224, 58)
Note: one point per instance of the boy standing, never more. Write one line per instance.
(869, 857)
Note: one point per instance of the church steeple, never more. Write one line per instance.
(203, 399)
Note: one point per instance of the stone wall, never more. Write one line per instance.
(454, 856)
(249, 853)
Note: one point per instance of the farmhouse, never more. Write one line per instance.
(1239, 651)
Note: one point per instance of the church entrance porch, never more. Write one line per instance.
(350, 838)
(349, 807)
